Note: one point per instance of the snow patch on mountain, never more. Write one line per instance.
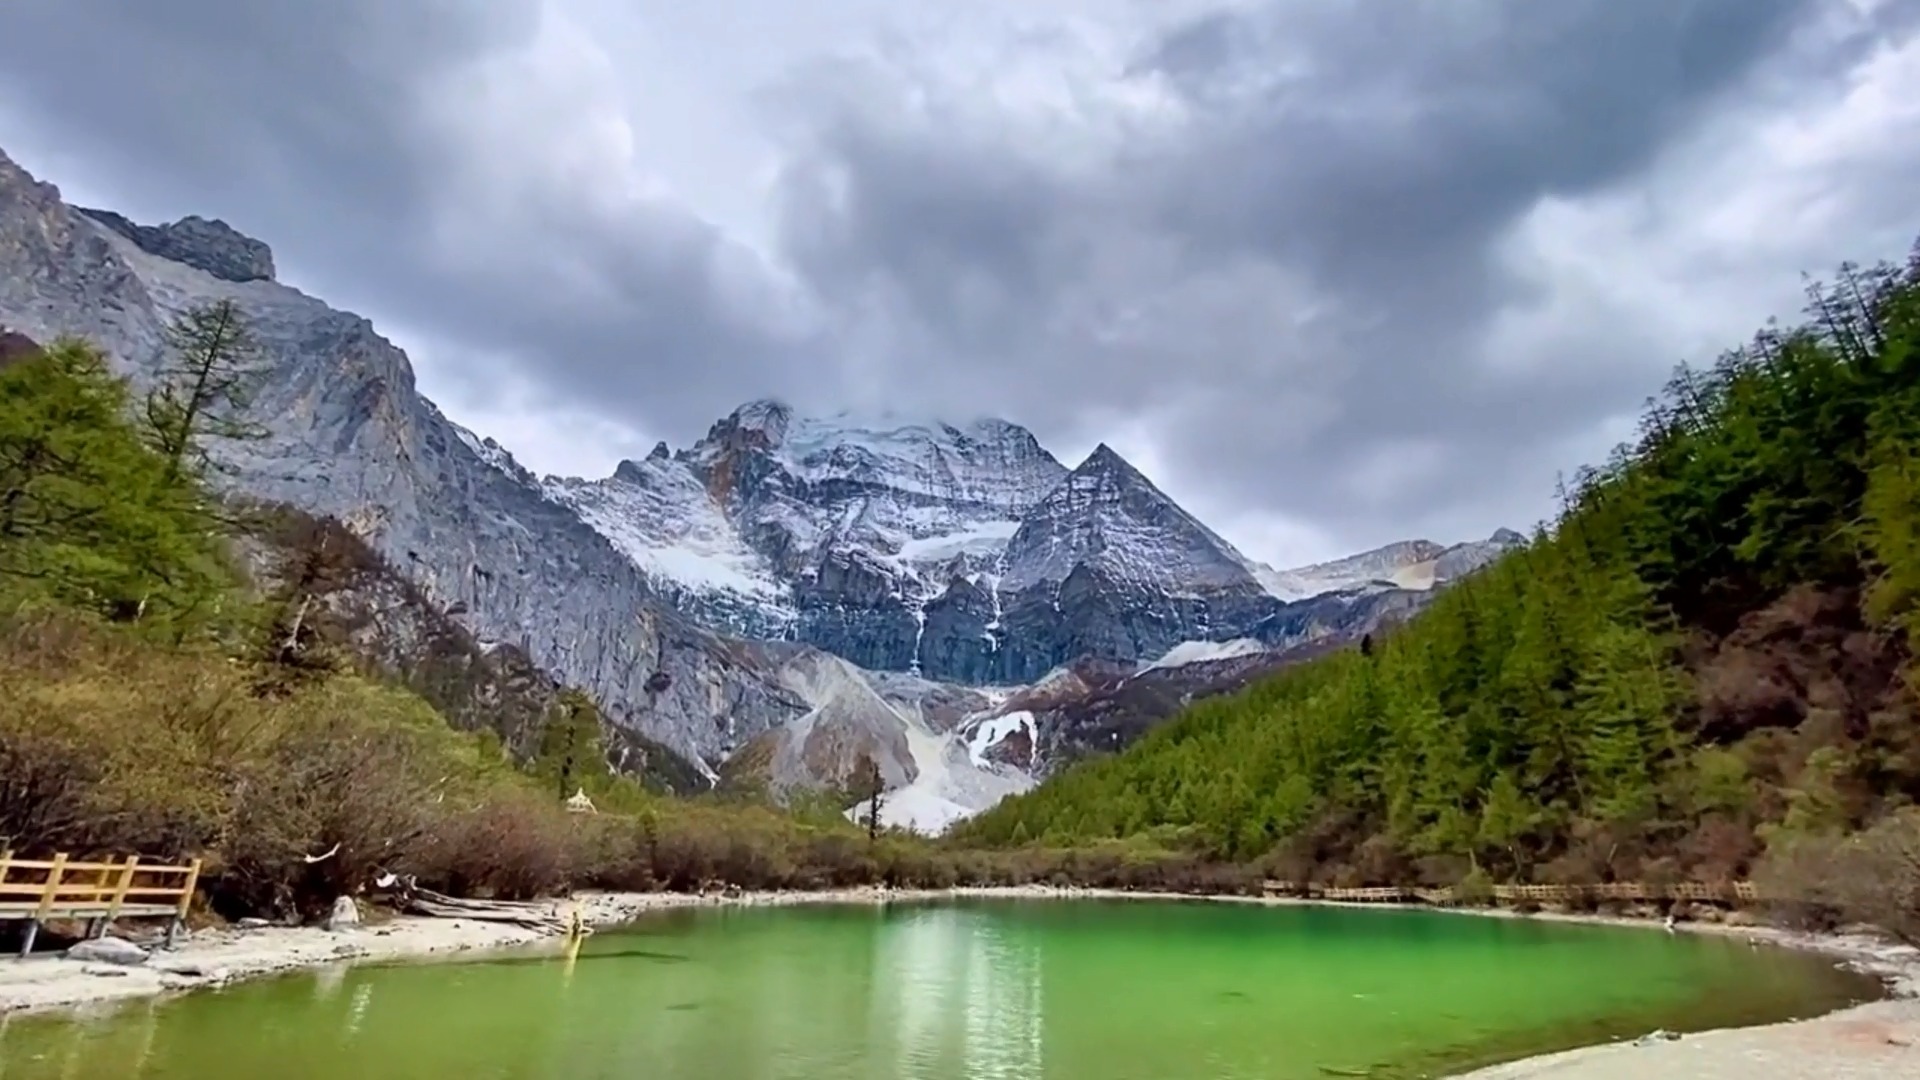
(994, 730)
(983, 539)
(657, 514)
(951, 783)
(486, 449)
(1196, 652)
(1419, 565)
(988, 462)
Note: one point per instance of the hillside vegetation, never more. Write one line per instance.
(182, 675)
(1706, 656)
(1702, 669)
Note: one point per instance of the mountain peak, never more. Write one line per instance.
(210, 245)
(760, 423)
(1106, 460)
(1108, 516)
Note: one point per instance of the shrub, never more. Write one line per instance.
(1871, 877)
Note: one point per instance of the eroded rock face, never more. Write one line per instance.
(212, 246)
(389, 626)
(351, 438)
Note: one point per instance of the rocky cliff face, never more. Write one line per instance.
(385, 626)
(212, 246)
(352, 439)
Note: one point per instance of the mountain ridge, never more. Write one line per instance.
(951, 550)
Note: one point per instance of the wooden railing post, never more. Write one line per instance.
(120, 892)
(186, 900)
(46, 903)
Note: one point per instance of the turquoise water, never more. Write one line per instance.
(990, 990)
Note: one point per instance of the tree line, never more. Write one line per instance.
(1704, 657)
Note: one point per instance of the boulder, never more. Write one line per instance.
(345, 913)
(108, 950)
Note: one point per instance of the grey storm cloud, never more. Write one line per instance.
(1270, 241)
(1359, 160)
(311, 126)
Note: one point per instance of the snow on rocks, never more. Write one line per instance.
(1195, 652)
(993, 731)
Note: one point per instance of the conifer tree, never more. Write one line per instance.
(89, 516)
(205, 387)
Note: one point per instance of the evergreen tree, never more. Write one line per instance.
(571, 750)
(89, 516)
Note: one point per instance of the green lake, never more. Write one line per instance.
(986, 990)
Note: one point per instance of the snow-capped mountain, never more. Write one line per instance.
(965, 553)
(786, 592)
(783, 526)
(1408, 564)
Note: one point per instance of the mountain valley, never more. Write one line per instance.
(786, 596)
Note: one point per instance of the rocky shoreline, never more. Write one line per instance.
(1879, 1039)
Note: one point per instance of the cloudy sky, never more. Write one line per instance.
(1333, 272)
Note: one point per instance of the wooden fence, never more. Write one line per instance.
(62, 888)
(1729, 893)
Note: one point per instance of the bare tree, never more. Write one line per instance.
(206, 385)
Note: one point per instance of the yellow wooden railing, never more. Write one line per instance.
(63, 888)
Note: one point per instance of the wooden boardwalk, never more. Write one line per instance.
(100, 892)
(1736, 892)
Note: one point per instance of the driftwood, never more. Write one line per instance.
(534, 915)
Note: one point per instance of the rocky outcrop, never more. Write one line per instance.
(213, 246)
(16, 347)
(355, 603)
(1114, 710)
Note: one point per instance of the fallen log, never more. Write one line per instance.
(491, 905)
(534, 915)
